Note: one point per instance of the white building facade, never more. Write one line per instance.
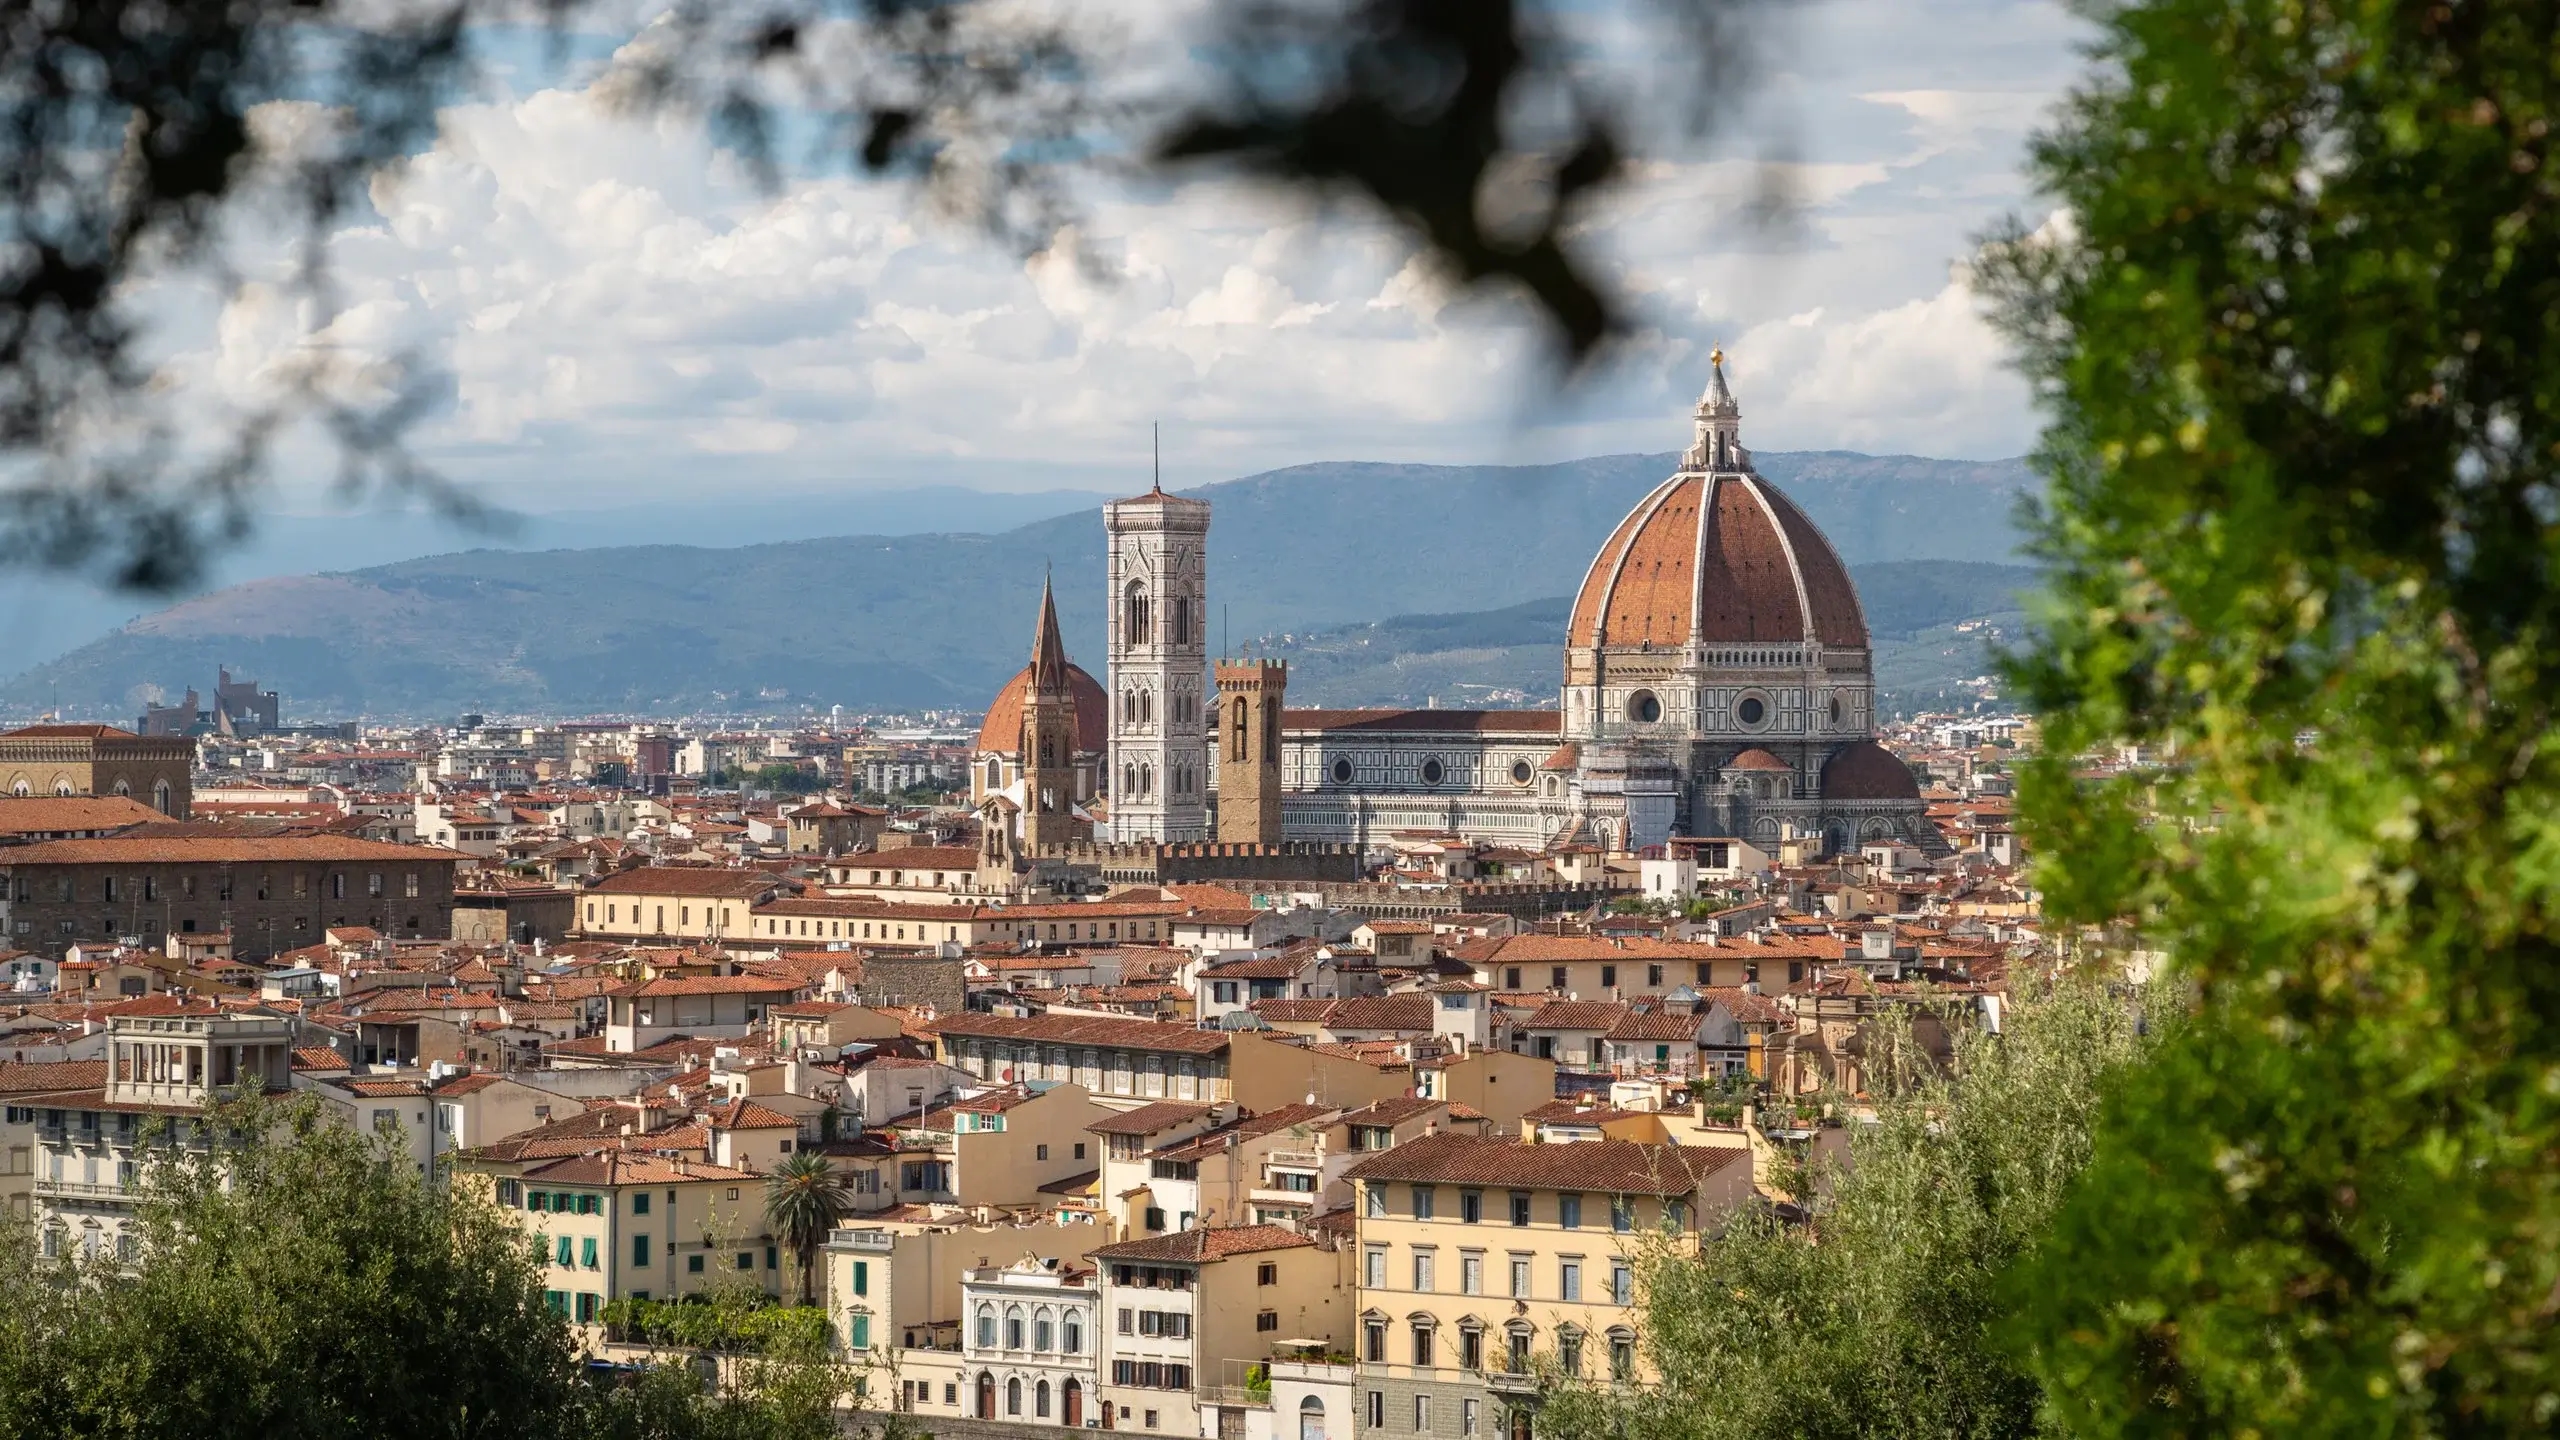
(1158, 774)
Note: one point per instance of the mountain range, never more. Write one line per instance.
(1468, 564)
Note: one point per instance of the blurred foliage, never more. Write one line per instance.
(734, 1320)
(1878, 1311)
(297, 1280)
(138, 155)
(2296, 339)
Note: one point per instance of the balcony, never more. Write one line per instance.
(83, 1189)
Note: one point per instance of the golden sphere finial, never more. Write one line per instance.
(1716, 356)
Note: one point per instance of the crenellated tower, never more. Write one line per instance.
(1250, 698)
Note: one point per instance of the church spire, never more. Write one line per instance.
(1719, 426)
(1048, 648)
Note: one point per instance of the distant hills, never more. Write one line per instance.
(1468, 559)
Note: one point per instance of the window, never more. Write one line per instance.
(1569, 1279)
(1039, 1152)
(1471, 1348)
(1622, 1214)
(1422, 1345)
(1377, 1409)
(1569, 1352)
(1013, 1396)
(1653, 977)
(1126, 1326)
(1622, 1356)
(1469, 1416)
(1422, 1259)
(640, 1250)
(1519, 1277)
(1422, 1414)
(565, 1253)
(693, 1264)
(1644, 707)
(1470, 1206)
(987, 1326)
(1471, 1273)
(640, 1203)
(1373, 1342)
(1266, 1322)
(1377, 1267)
(587, 1252)
(1013, 1330)
(861, 1277)
(1519, 1207)
(1422, 1202)
(1266, 1273)
(1569, 1212)
(1515, 1356)
(746, 1260)
(1377, 1194)
(861, 1332)
(1071, 1334)
(1043, 1332)
(1622, 1283)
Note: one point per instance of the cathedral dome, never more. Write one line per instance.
(1001, 732)
(1715, 555)
(1867, 771)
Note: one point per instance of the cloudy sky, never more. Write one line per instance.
(622, 314)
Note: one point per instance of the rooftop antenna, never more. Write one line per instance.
(1157, 427)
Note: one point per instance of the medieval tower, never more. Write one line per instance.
(1250, 693)
(1158, 772)
(1048, 738)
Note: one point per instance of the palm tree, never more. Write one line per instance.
(803, 1199)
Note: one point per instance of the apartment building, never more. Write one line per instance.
(1188, 1312)
(1587, 967)
(1030, 1342)
(674, 902)
(702, 1007)
(161, 1069)
(1481, 1259)
(1126, 1064)
(619, 1224)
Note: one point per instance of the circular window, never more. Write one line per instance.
(1643, 707)
(1520, 772)
(1835, 709)
(1433, 772)
(1342, 772)
(1751, 711)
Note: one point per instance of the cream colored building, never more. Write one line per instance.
(620, 1224)
(674, 902)
(1129, 1063)
(1187, 1314)
(1480, 1261)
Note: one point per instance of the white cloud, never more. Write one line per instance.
(618, 306)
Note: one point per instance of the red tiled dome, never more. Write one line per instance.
(1002, 730)
(1727, 558)
(1867, 771)
(1756, 758)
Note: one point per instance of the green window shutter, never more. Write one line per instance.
(640, 1203)
(587, 1252)
(639, 1249)
(861, 1332)
(564, 1254)
(861, 1277)
(772, 1259)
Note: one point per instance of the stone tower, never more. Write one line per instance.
(1250, 694)
(1048, 738)
(1158, 773)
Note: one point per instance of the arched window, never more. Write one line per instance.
(124, 788)
(1048, 748)
(1644, 707)
(1146, 705)
(1181, 620)
(995, 776)
(1146, 778)
(1013, 1327)
(62, 787)
(21, 787)
(1040, 1400)
(986, 1327)
(1071, 1334)
(1243, 728)
(1134, 629)
(1013, 1396)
